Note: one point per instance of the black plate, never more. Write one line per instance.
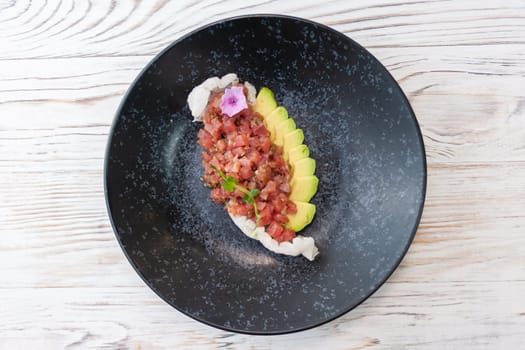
(370, 162)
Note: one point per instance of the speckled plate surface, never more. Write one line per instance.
(371, 165)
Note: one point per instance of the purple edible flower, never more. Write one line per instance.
(233, 101)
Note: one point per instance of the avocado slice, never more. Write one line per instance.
(298, 153)
(305, 214)
(265, 102)
(303, 188)
(278, 115)
(292, 139)
(303, 167)
(283, 128)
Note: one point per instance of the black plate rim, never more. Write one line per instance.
(110, 139)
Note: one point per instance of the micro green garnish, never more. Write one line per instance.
(230, 185)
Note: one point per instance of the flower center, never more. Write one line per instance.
(232, 101)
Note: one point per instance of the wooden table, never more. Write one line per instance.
(64, 67)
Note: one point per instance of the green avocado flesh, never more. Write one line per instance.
(303, 188)
(292, 139)
(283, 128)
(298, 153)
(265, 102)
(303, 167)
(304, 216)
(278, 115)
(284, 133)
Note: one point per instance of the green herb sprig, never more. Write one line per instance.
(230, 185)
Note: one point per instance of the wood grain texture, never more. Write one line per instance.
(64, 66)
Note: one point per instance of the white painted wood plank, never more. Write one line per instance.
(400, 315)
(65, 28)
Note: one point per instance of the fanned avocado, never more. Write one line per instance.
(277, 116)
(303, 188)
(282, 129)
(303, 167)
(298, 153)
(265, 102)
(284, 132)
(304, 216)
